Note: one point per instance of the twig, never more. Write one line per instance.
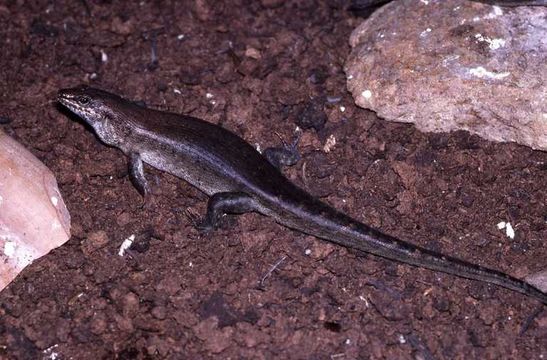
(272, 269)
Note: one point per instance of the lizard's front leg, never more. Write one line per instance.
(136, 174)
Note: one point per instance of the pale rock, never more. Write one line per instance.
(33, 216)
(455, 65)
(538, 279)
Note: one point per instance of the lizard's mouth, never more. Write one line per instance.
(67, 99)
(73, 102)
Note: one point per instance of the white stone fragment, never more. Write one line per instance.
(481, 72)
(126, 244)
(509, 231)
(329, 144)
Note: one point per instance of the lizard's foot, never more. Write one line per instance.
(147, 202)
(199, 223)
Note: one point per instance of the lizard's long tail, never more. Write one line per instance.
(318, 219)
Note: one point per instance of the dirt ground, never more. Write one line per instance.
(255, 289)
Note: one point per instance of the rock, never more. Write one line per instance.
(455, 64)
(539, 280)
(33, 216)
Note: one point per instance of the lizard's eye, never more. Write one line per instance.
(83, 100)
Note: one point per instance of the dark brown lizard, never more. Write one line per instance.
(239, 179)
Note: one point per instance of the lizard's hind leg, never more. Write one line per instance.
(226, 203)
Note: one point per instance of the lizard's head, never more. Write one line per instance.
(92, 105)
(98, 108)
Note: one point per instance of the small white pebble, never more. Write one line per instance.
(425, 32)
(209, 96)
(329, 144)
(180, 36)
(191, 264)
(177, 91)
(51, 354)
(509, 231)
(126, 244)
(348, 341)
(350, 77)
(402, 339)
(54, 200)
(342, 108)
(364, 299)
(481, 72)
(104, 56)
(307, 252)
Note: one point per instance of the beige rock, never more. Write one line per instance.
(538, 279)
(455, 65)
(33, 216)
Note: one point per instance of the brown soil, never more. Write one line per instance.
(178, 294)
